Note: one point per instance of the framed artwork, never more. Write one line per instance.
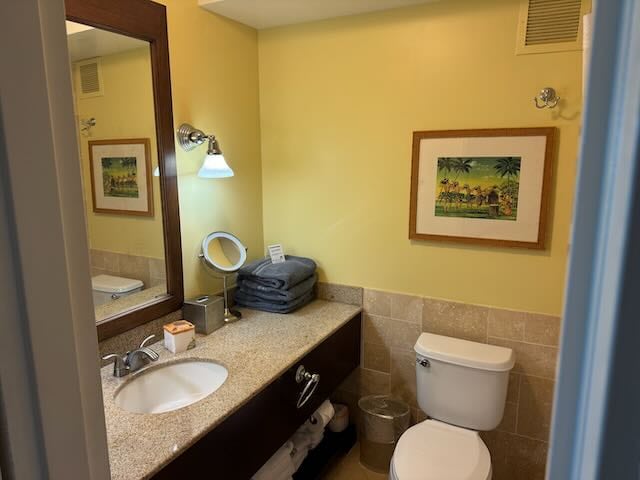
(488, 187)
(121, 176)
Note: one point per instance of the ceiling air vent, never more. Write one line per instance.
(90, 78)
(550, 26)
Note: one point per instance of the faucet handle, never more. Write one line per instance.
(111, 356)
(120, 368)
(147, 340)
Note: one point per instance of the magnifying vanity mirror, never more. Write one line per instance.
(119, 59)
(225, 254)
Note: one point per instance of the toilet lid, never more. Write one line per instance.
(113, 284)
(433, 450)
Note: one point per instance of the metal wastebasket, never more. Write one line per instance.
(384, 419)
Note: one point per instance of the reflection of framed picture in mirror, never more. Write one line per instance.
(121, 176)
(487, 187)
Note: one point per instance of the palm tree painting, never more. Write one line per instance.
(494, 195)
(120, 177)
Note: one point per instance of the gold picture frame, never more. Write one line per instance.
(484, 187)
(121, 174)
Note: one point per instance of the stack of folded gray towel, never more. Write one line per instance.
(276, 287)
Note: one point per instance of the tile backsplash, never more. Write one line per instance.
(150, 270)
(391, 325)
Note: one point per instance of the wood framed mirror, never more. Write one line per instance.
(119, 56)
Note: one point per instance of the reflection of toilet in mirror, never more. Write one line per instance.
(225, 254)
(120, 282)
(107, 288)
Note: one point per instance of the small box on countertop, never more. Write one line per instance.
(179, 336)
(206, 312)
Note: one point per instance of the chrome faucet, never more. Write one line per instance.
(133, 360)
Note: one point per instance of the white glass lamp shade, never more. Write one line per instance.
(215, 166)
(156, 172)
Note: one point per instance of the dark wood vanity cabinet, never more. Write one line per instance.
(243, 442)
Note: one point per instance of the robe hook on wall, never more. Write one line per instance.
(547, 98)
(86, 124)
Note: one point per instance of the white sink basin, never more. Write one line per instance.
(170, 387)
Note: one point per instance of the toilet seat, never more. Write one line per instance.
(433, 450)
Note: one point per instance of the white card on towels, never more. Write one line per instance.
(276, 252)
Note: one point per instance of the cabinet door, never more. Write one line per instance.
(243, 442)
(334, 359)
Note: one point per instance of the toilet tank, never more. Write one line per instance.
(109, 287)
(460, 382)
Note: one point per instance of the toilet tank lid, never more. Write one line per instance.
(465, 353)
(112, 284)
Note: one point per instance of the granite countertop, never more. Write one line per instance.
(125, 303)
(255, 351)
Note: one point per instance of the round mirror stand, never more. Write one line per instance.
(225, 254)
(230, 315)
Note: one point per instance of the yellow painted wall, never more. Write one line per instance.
(124, 111)
(339, 100)
(214, 77)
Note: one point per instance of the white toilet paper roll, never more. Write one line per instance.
(324, 413)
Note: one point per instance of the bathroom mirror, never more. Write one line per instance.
(225, 254)
(118, 54)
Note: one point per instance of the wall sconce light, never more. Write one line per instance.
(214, 164)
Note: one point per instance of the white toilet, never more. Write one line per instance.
(462, 386)
(108, 287)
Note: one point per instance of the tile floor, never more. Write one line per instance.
(349, 468)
